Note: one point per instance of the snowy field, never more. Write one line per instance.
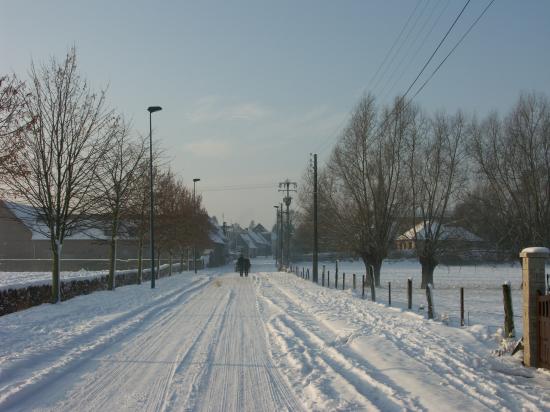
(269, 342)
(483, 299)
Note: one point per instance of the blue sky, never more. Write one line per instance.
(250, 88)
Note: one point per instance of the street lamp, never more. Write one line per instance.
(277, 232)
(195, 180)
(151, 110)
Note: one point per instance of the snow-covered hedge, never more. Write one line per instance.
(19, 298)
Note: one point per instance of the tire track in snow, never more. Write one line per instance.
(458, 368)
(146, 387)
(72, 353)
(234, 372)
(323, 366)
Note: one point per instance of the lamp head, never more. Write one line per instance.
(196, 180)
(153, 109)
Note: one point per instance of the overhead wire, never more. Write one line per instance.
(322, 146)
(397, 40)
(411, 37)
(454, 48)
(420, 46)
(402, 98)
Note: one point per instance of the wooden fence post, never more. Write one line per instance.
(372, 285)
(461, 306)
(336, 280)
(344, 281)
(307, 274)
(323, 281)
(509, 330)
(429, 297)
(354, 281)
(363, 292)
(409, 293)
(328, 279)
(533, 268)
(389, 293)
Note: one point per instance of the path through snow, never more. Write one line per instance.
(270, 342)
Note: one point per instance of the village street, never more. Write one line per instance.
(268, 342)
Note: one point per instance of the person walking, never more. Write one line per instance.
(240, 264)
(246, 266)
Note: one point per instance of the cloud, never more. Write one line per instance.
(210, 148)
(215, 108)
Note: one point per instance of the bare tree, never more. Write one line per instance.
(117, 175)
(512, 157)
(62, 150)
(138, 210)
(368, 165)
(12, 123)
(436, 174)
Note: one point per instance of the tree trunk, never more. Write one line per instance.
(56, 296)
(376, 263)
(170, 264)
(112, 257)
(429, 264)
(158, 265)
(140, 261)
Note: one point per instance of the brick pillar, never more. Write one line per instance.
(533, 268)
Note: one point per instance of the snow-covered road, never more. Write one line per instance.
(267, 343)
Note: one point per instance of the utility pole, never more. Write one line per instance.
(286, 187)
(281, 229)
(315, 233)
(277, 232)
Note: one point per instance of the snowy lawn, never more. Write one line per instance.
(483, 300)
(268, 342)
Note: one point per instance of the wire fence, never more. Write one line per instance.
(483, 294)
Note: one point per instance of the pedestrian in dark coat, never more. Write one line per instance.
(246, 266)
(240, 264)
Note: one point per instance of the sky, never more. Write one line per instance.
(250, 88)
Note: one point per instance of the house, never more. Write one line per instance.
(246, 245)
(219, 254)
(262, 245)
(25, 237)
(451, 237)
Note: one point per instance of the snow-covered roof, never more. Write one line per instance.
(447, 233)
(258, 238)
(30, 217)
(216, 232)
(248, 240)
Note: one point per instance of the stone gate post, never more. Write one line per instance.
(533, 268)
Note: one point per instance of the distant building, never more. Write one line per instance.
(451, 237)
(219, 254)
(24, 236)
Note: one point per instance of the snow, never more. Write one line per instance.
(272, 341)
(482, 289)
(447, 233)
(17, 280)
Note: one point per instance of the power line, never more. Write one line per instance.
(322, 146)
(421, 45)
(392, 47)
(455, 46)
(410, 35)
(436, 49)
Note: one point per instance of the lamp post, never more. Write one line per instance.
(195, 180)
(151, 110)
(277, 232)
